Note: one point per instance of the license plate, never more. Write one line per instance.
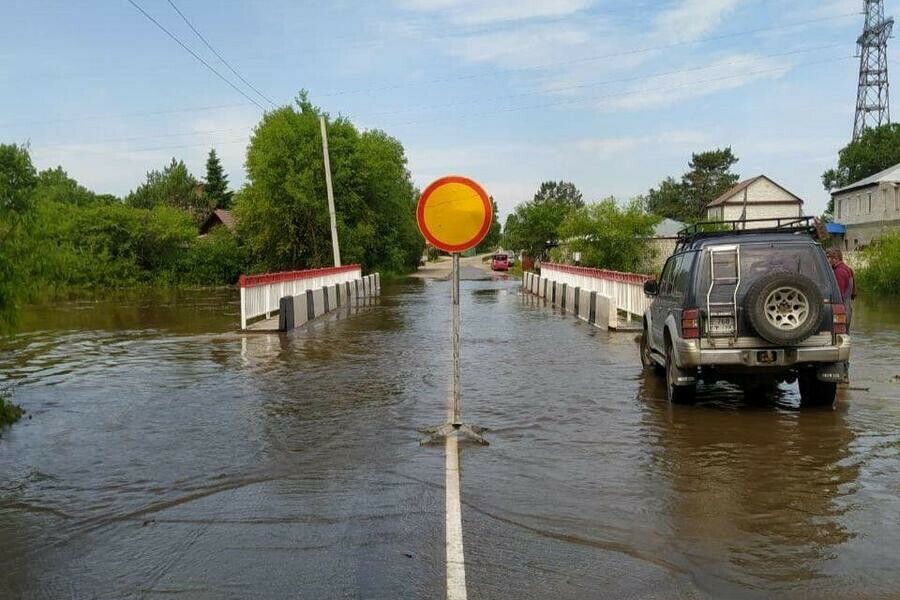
(721, 325)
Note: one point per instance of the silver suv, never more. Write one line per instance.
(755, 307)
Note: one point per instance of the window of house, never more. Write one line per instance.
(869, 203)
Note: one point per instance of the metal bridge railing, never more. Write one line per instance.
(625, 289)
(260, 294)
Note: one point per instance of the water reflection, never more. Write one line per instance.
(762, 486)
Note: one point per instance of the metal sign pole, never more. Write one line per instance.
(454, 381)
(454, 423)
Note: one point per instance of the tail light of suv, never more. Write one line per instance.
(839, 318)
(690, 323)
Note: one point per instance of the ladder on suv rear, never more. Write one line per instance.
(721, 298)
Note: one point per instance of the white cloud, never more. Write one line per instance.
(525, 47)
(477, 12)
(726, 73)
(116, 160)
(670, 141)
(692, 18)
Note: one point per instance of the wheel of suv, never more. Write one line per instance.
(646, 357)
(784, 308)
(814, 392)
(677, 394)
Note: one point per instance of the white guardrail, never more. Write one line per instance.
(625, 289)
(260, 294)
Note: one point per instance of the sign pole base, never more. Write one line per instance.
(469, 432)
(454, 425)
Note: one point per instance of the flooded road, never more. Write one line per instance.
(168, 456)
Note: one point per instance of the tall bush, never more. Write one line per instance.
(882, 271)
(282, 213)
(610, 237)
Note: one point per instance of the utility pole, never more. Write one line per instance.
(873, 107)
(335, 247)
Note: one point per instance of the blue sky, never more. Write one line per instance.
(610, 94)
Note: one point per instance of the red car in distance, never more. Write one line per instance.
(500, 262)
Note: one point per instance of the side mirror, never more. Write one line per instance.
(651, 287)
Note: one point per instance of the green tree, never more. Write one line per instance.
(173, 186)
(876, 150)
(283, 213)
(216, 188)
(55, 185)
(18, 180)
(669, 199)
(708, 177)
(492, 239)
(610, 237)
(534, 226)
(562, 193)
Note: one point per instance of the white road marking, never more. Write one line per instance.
(456, 568)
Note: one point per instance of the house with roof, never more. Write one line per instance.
(869, 207)
(218, 218)
(756, 198)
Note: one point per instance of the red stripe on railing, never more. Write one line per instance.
(247, 281)
(599, 273)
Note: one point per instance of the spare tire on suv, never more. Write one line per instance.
(784, 308)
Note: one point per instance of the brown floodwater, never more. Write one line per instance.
(166, 455)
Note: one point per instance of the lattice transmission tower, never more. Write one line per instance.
(873, 106)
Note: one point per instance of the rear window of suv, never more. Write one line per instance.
(760, 259)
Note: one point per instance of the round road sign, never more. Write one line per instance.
(454, 213)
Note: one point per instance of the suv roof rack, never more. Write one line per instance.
(711, 229)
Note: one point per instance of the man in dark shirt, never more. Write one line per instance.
(846, 280)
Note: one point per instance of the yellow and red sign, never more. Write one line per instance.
(454, 213)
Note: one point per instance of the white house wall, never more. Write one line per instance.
(765, 200)
(868, 213)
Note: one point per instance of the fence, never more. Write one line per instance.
(260, 294)
(626, 290)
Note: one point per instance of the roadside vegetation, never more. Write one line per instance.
(282, 214)
(9, 412)
(56, 234)
(609, 236)
(881, 274)
(709, 175)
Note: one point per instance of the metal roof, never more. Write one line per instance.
(889, 175)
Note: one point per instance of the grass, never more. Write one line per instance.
(881, 274)
(9, 412)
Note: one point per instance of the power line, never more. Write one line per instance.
(749, 58)
(143, 137)
(589, 59)
(195, 55)
(620, 94)
(124, 115)
(158, 148)
(500, 110)
(219, 56)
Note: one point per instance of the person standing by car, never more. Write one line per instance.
(846, 280)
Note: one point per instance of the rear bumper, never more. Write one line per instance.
(689, 354)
